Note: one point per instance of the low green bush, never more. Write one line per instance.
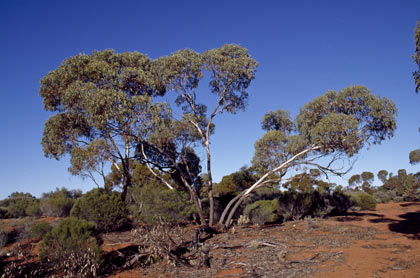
(59, 203)
(4, 238)
(339, 203)
(22, 204)
(363, 200)
(40, 229)
(381, 197)
(154, 203)
(263, 211)
(296, 205)
(3, 213)
(72, 248)
(104, 208)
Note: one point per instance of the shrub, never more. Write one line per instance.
(40, 229)
(4, 238)
(296, 205)
(3, 213)
(22, 204)
(263, 211)
(155, 203)
(58, 203)
(104, 208)
(381, 197)
(72, 248)
(363, 200)
(33, 209)
(339, 203)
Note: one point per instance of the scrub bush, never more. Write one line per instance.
(154, 203)
(58, 203)
(363, 200)
(21, 205)
(263, 211)
(40, 229)
(104, 208)
(72, 248)
(381, 197)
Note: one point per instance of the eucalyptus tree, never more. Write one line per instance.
(335, 125)
(103, 104)
(230, 70)
(355, 181)
(382, 176)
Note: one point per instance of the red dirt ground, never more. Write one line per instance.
(382, 244)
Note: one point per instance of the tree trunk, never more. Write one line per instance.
(126, 179)
(227, 208)
(210, 194)
(198, 207)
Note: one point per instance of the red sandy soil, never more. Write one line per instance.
(384, 243)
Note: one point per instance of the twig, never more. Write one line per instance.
(306, 261)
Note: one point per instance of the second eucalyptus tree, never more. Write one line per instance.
(335, 125)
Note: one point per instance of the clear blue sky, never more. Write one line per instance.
(304, 48)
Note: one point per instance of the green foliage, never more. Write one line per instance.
(40, 229)
(363, 200)
(4, 238)
(72, 248)
(3, 213)
(277, 120)
(339, 203)
(271, 150)
(382, 175)
(21, 205)
(263, 211)
(414, 156)
(234, 182)
(104, 208)
(155, 203)
(336, 122)
(402, 187)
(381, 197)
(416, 56)
(307, 182)
(296, 205)
(344, 121)
(58, 203)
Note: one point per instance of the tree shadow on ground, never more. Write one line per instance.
(409, 204)
(383, 220)
(409, 226)
(356, 216)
